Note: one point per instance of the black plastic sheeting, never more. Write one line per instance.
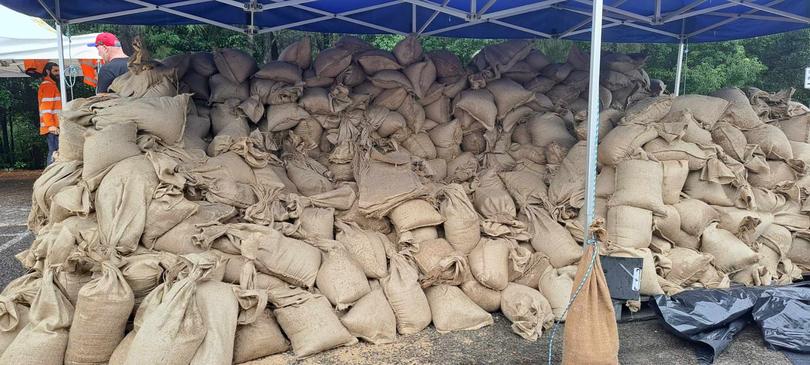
(712, 317)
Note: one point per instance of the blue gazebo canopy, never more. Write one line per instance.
(630, 21)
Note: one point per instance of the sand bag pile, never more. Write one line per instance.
(214, 210)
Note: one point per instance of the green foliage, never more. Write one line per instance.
(29, 147)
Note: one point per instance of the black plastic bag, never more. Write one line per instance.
(712, 317)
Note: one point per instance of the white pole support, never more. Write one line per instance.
(61, 53)
(679, 69)
(593, 117)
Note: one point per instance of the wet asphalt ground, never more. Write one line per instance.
(642, 342)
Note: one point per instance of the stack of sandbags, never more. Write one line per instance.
(704, 191)
(308, 203)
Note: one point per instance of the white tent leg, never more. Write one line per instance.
(679, 69)
(61, 51)
(593, 117)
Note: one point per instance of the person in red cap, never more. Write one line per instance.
(115, 60)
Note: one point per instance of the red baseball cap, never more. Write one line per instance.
(105, 39)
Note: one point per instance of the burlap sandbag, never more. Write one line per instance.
(779, 173)
(730, 254)
(674, 178)
(71, 282)
(547, 128)
(525, 185)
(313, 327)
(71, 140)
(367, 248)
(122, 200)
(705, 109)
(529, 311)
(591, 318)
(282, 117)
(567, 185)
(452, 310)
(438, 262)
(171, 326)
(234, 64)
(44, 339)
(309, 176)
(143, 273)
(448, 66)
(648, 111)
(405, 295)
(710, 192)
(478, 104)
(687, 265)
(624, 141)
(420, 145)
(203, 63)
(414, 214)
(298, 53)
(331, 62)
(391, 79)
(629, 226)
(461, 225)
(289, 259)
(164, 117)
(746, 225)
(669, 228)
(508, 95)
(639, 184)
(492, 199)
(106, 147)
(384, 182)
(262, 337)
(279, 71)
(489, 263)
(695, 216)
(198, 85)
(14, 306)
(372, 318)
(739, 112)
(557, 286)
(549, 237)
(317, 223)
(421, 75)
(223, 89)
(56, 177)
(101, 315)
(528, 152)
(376, 60)
(220, 310)
(408, 50)
(486, 298)
(340, 278)
(462, 168)
(228, 120)
(773, 142)
(439, 111)
(796, 128)
(799, 251)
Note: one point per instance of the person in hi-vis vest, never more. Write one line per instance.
(50, 105)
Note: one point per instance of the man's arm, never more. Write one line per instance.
(105, 79)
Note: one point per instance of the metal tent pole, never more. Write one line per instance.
(679, 69)
(61, 51)
(593, 116)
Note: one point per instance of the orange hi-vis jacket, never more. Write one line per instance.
(50, 104)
